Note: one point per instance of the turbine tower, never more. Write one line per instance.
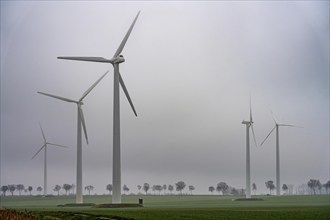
(80, 123)
(277, 125)
(45, 157)
(248, 176)
(115, 61)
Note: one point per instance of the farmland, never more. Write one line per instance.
(178, 207)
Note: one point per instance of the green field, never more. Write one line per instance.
(178, 207)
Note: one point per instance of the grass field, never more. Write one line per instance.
(178, 207)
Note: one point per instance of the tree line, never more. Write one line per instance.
(314, 186)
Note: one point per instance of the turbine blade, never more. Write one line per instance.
(38, 151)
(58, 145)
(83, 122)
(250, 111)
(92, 87)
(267, 136)
(90, 59)
(126, 93)
(272, 114)
(290, 125)
(42, 132)
(58, 97)
(121, 46)
(254, 137)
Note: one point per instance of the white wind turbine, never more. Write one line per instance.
(115, 61)
(81, 123)
(248, 176)
(45, 157)
(277, 125)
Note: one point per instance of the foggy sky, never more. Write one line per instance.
(190, 70)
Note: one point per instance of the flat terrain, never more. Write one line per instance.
(177, 207)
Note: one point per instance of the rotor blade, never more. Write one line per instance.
(92, 87)
(58, 97)
(91, 59)
(38, 151)
(126, 93)
(83, 122)
(254, 137)
(290, 125)
(272, 114)
(42, 132)
(121, 46)
(267, 136)
(58, 145)
(250, 111)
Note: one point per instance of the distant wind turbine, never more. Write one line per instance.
(115, 61)
(277, 125)
(248, 176)
(45, 157)
(81, 123)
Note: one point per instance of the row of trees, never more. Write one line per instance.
(222, 187)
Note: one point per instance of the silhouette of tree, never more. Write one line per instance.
(125, 188)
(146, 187)
(285, 188)
(20, 188)
(223, 187)
(254, 188)
(327, 186)
(180, 186)
(313, 184)
(170, 188)
(30, 188)
(270, 185)
(139, 188)
(164, 188)
(57, 189)
(89, 188)
(67, 188)
(109, 188)
(211, 189)
(12, 189)
(39, 189)
(4, 189)
(191, 188)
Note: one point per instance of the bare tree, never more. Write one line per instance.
(89, 188)
(12, 189)
(20, 188)
(146, 187)
(270, 185)
(109, 188)
(211, 189)
(30, 188)
(164, 188)
(191, 188)
(223, 187)
(180, 186)
(254, 188)
(57, 189)
(139, 188)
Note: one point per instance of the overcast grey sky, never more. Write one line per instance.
(190, 69)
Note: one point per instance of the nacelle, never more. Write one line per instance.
(118, 59)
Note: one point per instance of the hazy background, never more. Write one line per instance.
(190, 69)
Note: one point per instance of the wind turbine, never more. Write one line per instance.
(277, 125)
(80, 123)
(45, 157)
(115, 61)
(248, 176)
